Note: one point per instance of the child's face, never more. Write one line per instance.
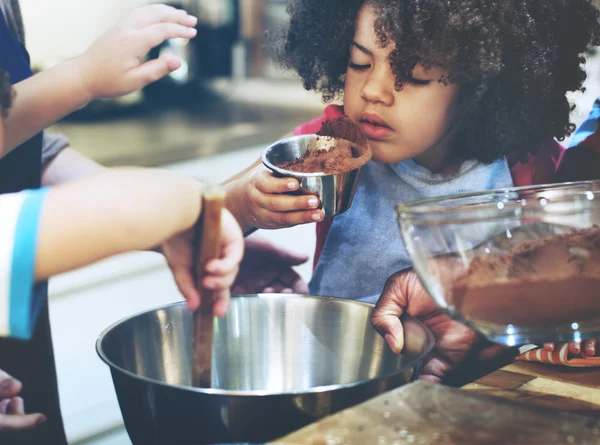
(414, 122)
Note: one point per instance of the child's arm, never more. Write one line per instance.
(111, 67)
(50, 231)
(111, 213)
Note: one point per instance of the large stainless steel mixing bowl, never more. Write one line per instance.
(280, 362)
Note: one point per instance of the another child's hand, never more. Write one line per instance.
(587, 348)
(268, 268)
(270, 206)
(113, 65)
(220, 273)
(12, 409)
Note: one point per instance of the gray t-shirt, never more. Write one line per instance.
(364, 246)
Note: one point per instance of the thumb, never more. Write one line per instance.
(386, 315)
(155, 69)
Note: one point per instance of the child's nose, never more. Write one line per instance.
(379, 87)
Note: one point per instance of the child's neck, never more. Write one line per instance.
(439, 160)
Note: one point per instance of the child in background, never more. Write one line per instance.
(112, 66)
(49, 231)
(453, 96)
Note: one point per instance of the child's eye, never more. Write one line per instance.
(419, 81)
(358, 67)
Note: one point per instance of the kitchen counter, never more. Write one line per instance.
(229, 117)
(521, 403)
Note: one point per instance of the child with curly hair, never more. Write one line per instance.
(453, 96)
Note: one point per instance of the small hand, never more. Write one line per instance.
(12, 407)
(220, 273)
(270, 206)
(113, 65)
(587, 348)
(268, 268)
(454, 342)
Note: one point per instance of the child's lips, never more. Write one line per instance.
(375, 130)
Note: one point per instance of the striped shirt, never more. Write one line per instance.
(19, 221)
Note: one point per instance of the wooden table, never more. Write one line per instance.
(526, 403)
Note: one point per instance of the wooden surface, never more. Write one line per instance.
(525, 403)
(208, 247)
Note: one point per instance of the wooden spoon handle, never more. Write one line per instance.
(207, 248)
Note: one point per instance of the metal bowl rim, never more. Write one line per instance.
(430, 342)
(289, 173)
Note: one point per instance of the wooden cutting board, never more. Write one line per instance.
(426, 413)
(560, 387)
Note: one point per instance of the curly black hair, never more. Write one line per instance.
(514, 59)
(6, 93)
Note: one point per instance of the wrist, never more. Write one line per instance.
(236, 203)
(83, 85)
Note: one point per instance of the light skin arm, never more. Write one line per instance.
(100, 216)
(111, 67)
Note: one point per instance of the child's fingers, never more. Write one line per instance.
(9, 386)
(185, 284)
(283, 203)
(232, 242)
(154, 70)
(221, 267)
(267, 183)
(4, 405)
(16, 406)
(290, 219)
(549, 347)
(575, 347)
(221, 304)
(154, 35)
(589, 347)
(219, 282)
(20, 422)
(151, 14)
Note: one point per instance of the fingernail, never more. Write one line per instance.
(591, 349)
(41, 420)
(317, 216)
(292, 185)
(7, 384)
(313, 202)
(391, 341)
(549, 346)
(577, 347)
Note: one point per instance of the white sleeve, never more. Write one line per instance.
(19, 222)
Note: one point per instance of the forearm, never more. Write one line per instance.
(43, 99)
(114, 212)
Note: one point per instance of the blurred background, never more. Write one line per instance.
(208, 120)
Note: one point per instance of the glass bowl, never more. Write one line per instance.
(520, 265)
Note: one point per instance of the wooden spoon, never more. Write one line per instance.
(208, 248)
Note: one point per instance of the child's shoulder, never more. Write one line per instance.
(312, 127)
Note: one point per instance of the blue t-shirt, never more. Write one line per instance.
(588, 127)
(364, 246)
